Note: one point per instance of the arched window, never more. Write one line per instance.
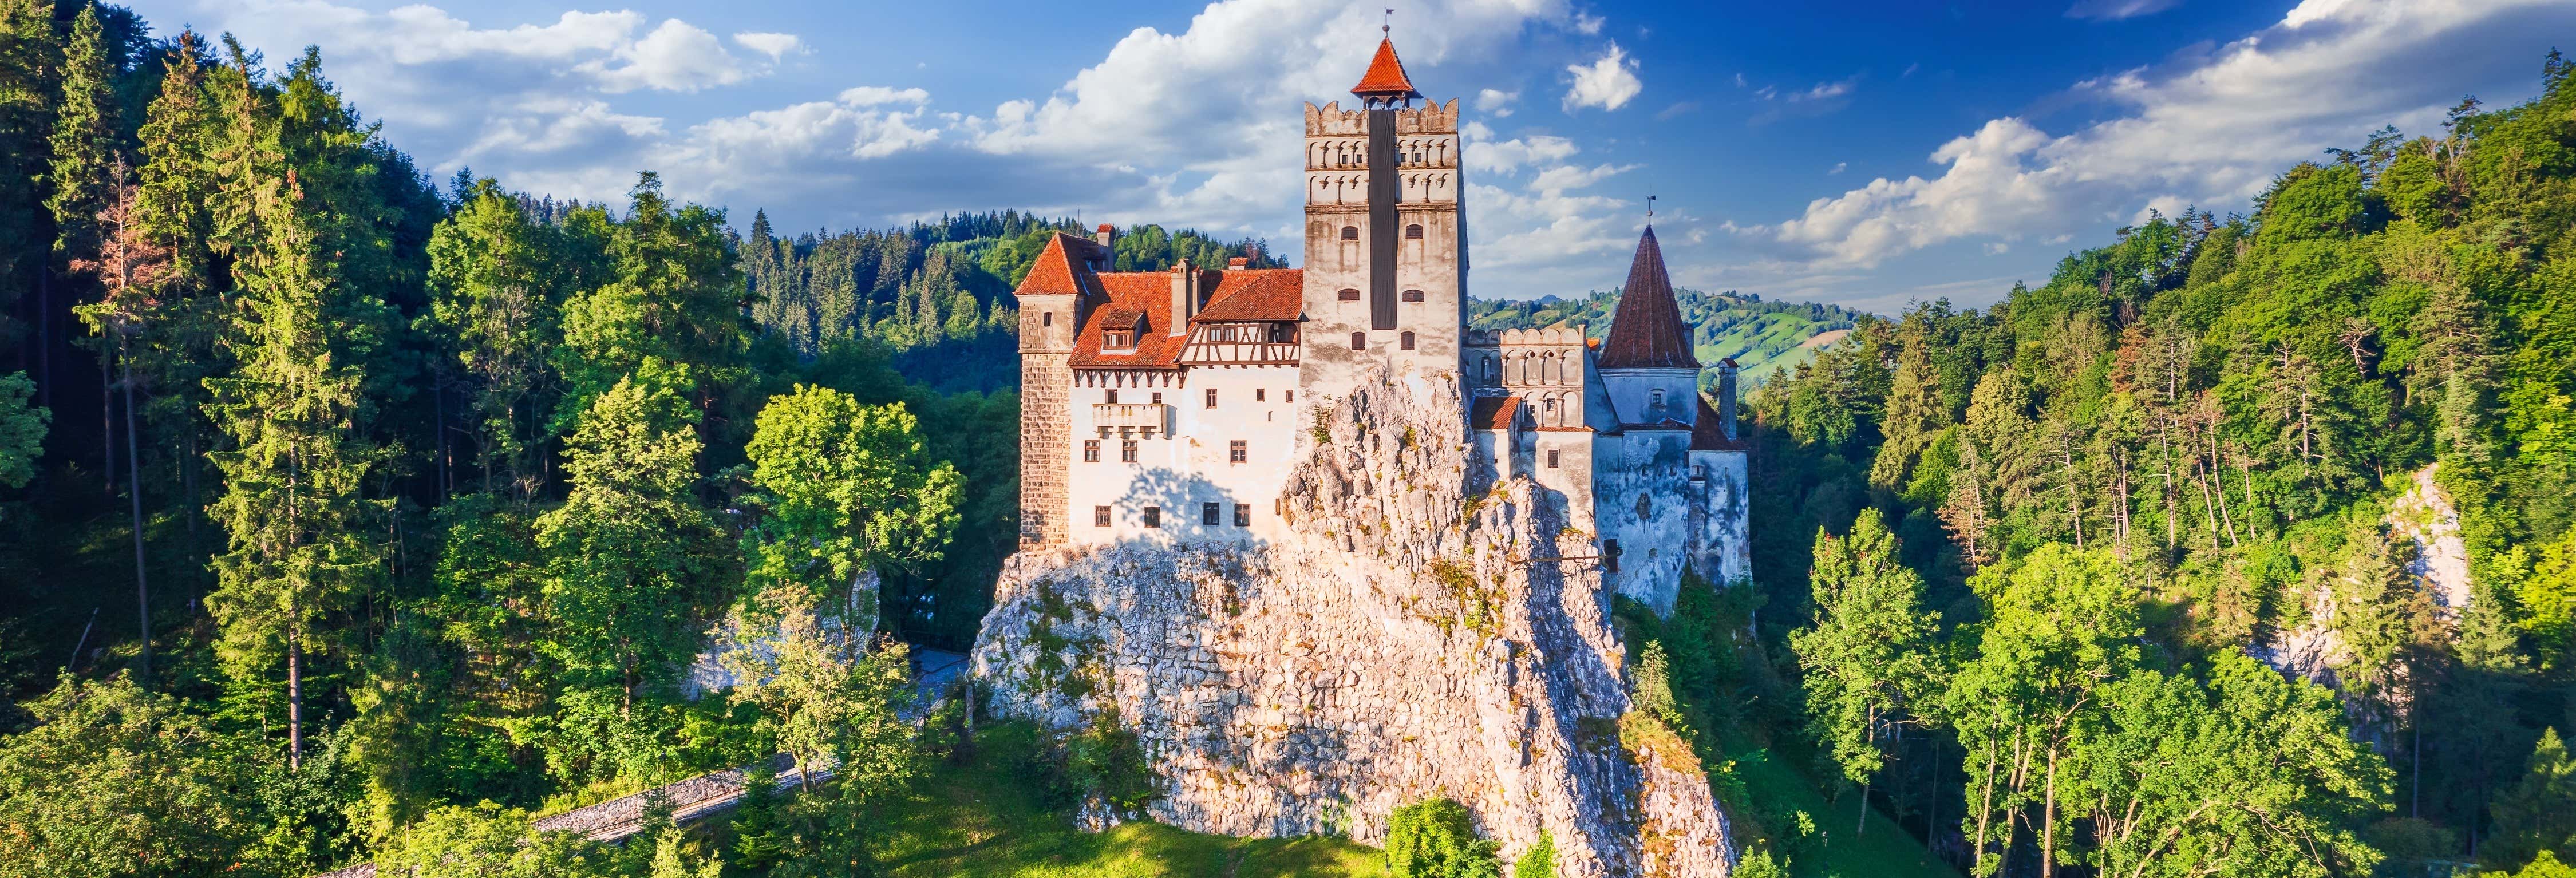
(1413, 295)
(1655, 400)
(1489, 367)
(1406, 340)
(1359, 341)
(1348, 295)
(1413, 232)
(1350, 233)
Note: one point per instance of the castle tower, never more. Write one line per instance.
(1053, 301)
(1646, 362)
(1386, 243)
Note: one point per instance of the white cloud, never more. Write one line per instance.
(775, 46)
(873, 95)
(1608, 82)
(2115, 10)
(1496, 102)
(2212, 129)
(677, 56)
(1839, 167)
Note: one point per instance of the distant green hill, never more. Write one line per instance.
(1763, 337)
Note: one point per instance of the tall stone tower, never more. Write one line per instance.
(1054, 301)
(1386, 244)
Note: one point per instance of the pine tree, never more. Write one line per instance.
(2539, 812)
(30, 71)
(293, 501)
(83, 140)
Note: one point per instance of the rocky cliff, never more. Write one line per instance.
(1404, 640)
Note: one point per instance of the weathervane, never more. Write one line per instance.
(1388, 28)
(1650, 208)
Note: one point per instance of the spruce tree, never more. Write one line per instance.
(30, 70)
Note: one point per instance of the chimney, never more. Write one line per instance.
(1185, 296)
(1105, 236)
(1107, 258)
(1237, 262)
(1726, 397)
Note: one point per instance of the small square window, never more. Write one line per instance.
(1258, 394)
(1350, 233)
(1110, 396)
(1243, 515)
(1405, 340)
(1127, 451)
(1413, 232)
(1292, 396)
(1235, 452)
(1551, 457)
(1413, 295)
(1211, 397)
(1091, 451)
(1158, 399)
(1359, 341)
(1046, 318)
(1100, 516)
(1209, 515)
(1154, 516)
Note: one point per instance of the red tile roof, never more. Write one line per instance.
(1255, 294)
(1061, 268)
(1494, 412)
(1709, 435)
(1385, 78)
(1129, 295)
(1647, 330)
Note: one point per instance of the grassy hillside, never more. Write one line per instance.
(1763, 337)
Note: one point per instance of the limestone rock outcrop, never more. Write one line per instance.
(1405, 640)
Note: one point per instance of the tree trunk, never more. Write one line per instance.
(134, 466)
(107, 423)
(294, 691)
(2048, 821)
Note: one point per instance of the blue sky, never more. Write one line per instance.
(1868, 155)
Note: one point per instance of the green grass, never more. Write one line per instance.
(991, 818)
(1883, 851)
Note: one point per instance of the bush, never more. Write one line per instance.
(1539, 861)
(1435, 838)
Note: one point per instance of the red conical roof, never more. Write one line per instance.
(1385, 77)
(1647, 331)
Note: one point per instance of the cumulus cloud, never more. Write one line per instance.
(2211, 129)
(776, 46)
(1609, 82)
(1496, 102)
(677, 56)
(2115, 10)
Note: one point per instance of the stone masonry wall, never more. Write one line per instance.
(1046, 392)
(1401, 641)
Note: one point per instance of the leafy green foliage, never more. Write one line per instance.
(847, 489)
(1435, 838)
(22, 430)
(1764, 338)
(115, 780)
(1539, 861)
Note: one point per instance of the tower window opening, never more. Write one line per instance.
(1359, 341)
(1406, 340)
(1091, 451)
(1211, 397)
(1350, 233)
(1046, 318)
(1413, 295)
(1158, 399)
(1111, 396)
(1100, 516)
(1551, 458)
(1237, 451)
(1153, 516)
(1348, 295)
(1243, 515)
(1489, 368)
(1413, 232)
(1655, 400)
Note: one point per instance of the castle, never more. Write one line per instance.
(1165, 406)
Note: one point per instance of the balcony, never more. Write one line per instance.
(1150, 416)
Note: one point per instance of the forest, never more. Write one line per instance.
(351, 517)
(1763, 338)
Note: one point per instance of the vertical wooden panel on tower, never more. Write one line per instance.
(1383, 192)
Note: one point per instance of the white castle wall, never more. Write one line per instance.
(1191, 464)
(1654, 547)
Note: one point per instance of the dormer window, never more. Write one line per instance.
(1118, 340)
